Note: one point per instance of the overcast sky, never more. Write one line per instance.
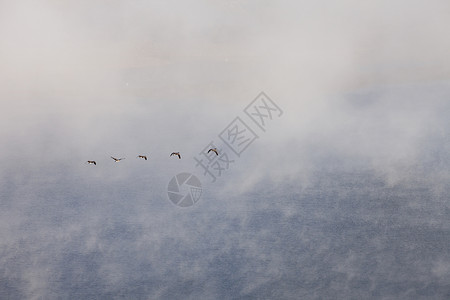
(344, 195)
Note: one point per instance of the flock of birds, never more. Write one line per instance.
(93, 162)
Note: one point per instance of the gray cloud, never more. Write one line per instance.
(344, 196)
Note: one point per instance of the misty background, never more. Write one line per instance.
(345, 196)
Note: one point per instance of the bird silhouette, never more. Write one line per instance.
(176, 153)
(117, 159)
(89, 162)
(142, 156)
(214, 150)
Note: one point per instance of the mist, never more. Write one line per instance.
(345, 194)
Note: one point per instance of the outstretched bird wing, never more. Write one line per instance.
(213, 150)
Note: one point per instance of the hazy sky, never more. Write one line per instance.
(345, 195)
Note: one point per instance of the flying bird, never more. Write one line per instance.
(214, 150)
(142, 156)
(117, 159)
(91, 162)
(176, 153)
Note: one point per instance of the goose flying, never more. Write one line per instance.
(177, 154)
(214, 150)
(142, 156)
(91, 162)
(117, 159)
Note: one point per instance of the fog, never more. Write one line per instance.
(345, 194)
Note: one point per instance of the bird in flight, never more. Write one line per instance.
(176, 153)
(91, 162)
(142, 156)
(214, 150)
(117, 159)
